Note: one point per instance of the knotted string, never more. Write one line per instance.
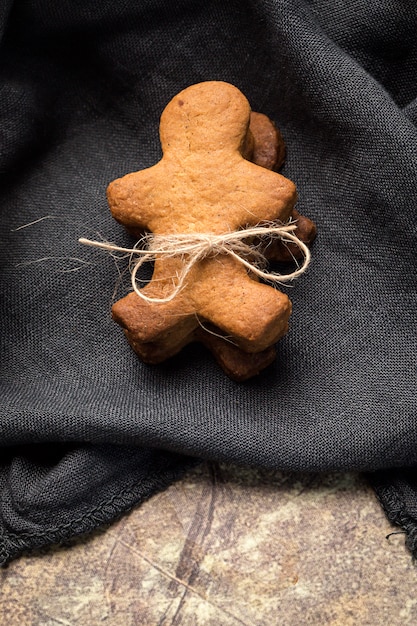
(194, 247)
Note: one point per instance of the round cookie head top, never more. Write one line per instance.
(208, 116)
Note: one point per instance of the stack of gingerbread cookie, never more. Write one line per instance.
(217, 175)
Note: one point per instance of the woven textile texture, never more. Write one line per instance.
(87, 430)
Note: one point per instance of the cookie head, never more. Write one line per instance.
(205, 117)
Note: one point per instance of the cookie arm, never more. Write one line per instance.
(256, 195)
(133, 199)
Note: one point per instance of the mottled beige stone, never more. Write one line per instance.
(227, 546)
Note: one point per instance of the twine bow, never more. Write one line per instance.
(194, 247)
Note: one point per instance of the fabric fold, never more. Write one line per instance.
(82, 89)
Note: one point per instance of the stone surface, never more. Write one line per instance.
(227, 546)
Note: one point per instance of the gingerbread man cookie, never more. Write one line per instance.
(205, 184)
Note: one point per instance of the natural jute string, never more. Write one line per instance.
(194, 247)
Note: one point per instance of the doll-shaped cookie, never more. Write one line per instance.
(203, 184)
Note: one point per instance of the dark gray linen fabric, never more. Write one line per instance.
(87, 430)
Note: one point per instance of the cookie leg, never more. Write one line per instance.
(236, 363)
(254, 315)
(162, 329)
